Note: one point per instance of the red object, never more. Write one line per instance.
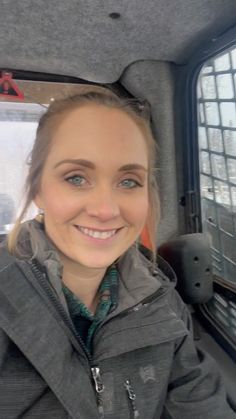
(8, 88)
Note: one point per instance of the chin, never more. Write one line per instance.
(94, 264)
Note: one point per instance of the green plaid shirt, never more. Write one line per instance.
(108, 294)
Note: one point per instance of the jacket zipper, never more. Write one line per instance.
(132, 399)
(99, 387)
(159, 293)
(95, 370)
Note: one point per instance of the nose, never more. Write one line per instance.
(103, 204)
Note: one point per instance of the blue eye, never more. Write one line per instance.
(129, 183)
(76, 180)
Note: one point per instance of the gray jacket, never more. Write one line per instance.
(144, 362)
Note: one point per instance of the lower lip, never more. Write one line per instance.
(96, 240)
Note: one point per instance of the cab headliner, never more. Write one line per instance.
(89, 40)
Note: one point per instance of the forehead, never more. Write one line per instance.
(96, 131)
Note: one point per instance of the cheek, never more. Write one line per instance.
(139, 211)
(57, 207)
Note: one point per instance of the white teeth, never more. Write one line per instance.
(97, 234)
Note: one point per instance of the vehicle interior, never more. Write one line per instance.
(179, 59)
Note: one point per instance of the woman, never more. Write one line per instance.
(89, 328)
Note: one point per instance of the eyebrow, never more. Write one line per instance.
(132, 166)
(90, 165)
(81, 162)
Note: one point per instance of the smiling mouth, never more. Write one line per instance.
(96, 234)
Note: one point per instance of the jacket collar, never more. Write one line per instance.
(137, 277)
(35, 244)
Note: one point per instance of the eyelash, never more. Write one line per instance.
(135, 183)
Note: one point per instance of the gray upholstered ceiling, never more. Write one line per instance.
(79, 38)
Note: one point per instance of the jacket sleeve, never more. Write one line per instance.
(196, 389)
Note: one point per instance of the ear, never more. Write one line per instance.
(38, 201)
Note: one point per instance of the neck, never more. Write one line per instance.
(83, 282)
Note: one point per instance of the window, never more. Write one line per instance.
(224, 310)
(18, 124)
(216, 92)
(217, 147)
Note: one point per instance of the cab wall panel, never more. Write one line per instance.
(154, 81)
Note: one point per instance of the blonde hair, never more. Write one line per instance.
(50, 120)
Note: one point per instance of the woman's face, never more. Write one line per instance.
(94, 190)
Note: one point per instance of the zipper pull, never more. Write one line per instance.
(99, 387)
(132, 398)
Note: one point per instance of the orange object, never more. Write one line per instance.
(145, 239)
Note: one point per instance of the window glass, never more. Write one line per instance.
(208, 87)
(233, 55)
(222, 63)
(202, 137)
(218, 166)
(225, 220)
(233, 195)
(205, 162)
(207, 190)
(207, 68)
(231, 167)
(212, 113)
(215, 139)
(199, 92)
(217, 160)
(18, 124)
(230, 142)
(225, 312)
(222, 193)
(201, 113)
(228, 114)
(225, 86)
